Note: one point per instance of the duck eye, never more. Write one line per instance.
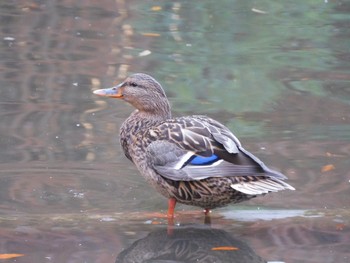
(133, 84)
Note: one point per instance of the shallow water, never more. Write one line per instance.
(276, 73)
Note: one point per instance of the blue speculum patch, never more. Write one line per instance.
(200, 160)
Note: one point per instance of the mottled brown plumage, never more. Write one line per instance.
(193, 160)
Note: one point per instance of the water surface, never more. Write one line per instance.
(276, 73)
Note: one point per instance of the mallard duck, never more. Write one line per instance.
(193, 160)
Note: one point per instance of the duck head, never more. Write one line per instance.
(141, 91)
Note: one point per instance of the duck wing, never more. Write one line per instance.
(198, 147)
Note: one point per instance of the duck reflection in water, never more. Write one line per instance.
(189, 244)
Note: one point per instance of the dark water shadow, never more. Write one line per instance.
(194, 243)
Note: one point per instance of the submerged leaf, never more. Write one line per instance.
(224, 248)
(327, 168)
(150, 34)
(8, 256)
(156, 8)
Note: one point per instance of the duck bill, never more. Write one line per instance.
(114, 92)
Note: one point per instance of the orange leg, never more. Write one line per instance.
(171, 208)
(207, 219)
